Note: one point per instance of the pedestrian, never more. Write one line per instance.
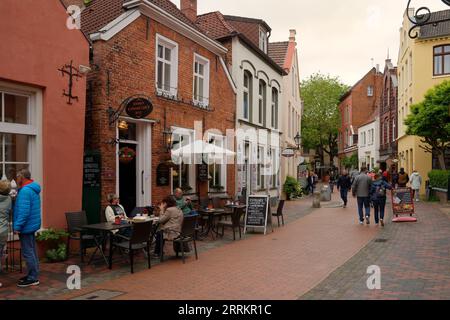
(5, 211)
(310, 180)
(394, 177)
(344, 185)
(27, 221)
(333, 180)
(360, 189)
(378, 197)
(416, 184)
(403, 178)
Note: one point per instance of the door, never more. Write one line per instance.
(127, 175)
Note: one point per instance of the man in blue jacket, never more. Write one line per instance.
(27, 220)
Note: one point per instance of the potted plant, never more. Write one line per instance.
(292, 188)
(53, 244)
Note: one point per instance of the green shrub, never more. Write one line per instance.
(439, 178)
(53, 239)
(292, 188)
(57, 255)
(51, 235)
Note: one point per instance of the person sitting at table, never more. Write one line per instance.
(115, 209)
(184, 204)
(170, 223)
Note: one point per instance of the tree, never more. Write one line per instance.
(430, 120)
(321, 119)
(350, 162)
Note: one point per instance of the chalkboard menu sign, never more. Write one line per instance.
(91, 171)
(257, 212)
(163, 175)
(203, 172)
(402, 202)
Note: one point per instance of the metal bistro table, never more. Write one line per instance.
(211, 214)
(106, 229)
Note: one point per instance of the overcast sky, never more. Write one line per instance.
(339, 38)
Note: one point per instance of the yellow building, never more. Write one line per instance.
(422, 63)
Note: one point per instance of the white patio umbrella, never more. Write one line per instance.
(200, 147)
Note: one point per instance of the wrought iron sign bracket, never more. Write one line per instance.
(422, 17)
(72, 72)
(114, 115)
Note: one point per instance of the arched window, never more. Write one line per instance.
(248, 93)
(262, 103)
(274, 108)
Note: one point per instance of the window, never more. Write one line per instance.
(274, 108)
(183, 173)
(442, 60)
(201, 80)
(167, 66)
(289, 122)
(263, 40)
(370, 91)
(217, 169)
(18, 139)
(394, 136)
(262, 103)
(260, 168)
(275, 165)
(248, 93)
(410, 68)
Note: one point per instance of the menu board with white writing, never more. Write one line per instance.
(257, 212)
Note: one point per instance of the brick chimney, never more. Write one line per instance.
(292, 34)
(189, 8)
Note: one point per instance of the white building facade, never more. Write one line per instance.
(369, 144)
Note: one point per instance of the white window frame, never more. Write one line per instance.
(370, 91)
(203, 101)
(262, 103)
(275, 108)
(260, 170)
(249, 92)
(192, 167)
(223, 165)
(263, 41)
(167, 43)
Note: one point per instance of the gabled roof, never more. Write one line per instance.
(278, 52)
(349, 92)
(101, 12)
(248, 20)
(441, 29)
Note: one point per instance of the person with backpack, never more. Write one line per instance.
(344, 185)
(403, 178)
(378, 197)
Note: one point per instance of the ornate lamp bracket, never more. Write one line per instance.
(422, 17)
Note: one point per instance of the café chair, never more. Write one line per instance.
(76, 220)
(235, 223)
(188, 234)
(279, 212)
(141, 239)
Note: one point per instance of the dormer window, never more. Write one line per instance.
(263, 40)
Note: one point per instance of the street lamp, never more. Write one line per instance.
(422, 17)
(298, 139)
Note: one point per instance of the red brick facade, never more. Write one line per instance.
(125, 66)
(388, 116)
(356, 107)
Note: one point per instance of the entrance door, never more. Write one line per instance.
(134, 164)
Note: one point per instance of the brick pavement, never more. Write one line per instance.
(282, 265)
(414, 262)
(53, 276)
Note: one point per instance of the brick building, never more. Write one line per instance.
(356, 107)
(388, 117)
(153, 51)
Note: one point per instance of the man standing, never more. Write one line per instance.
(416, 183)
(361, 188)
(403, 178)
(27, 220)
(344, 184)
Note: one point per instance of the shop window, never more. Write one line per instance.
(201, 81)
(183, 174)
(260, 169)
(217, 167)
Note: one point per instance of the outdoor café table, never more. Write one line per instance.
(106, 229)
(211, 214)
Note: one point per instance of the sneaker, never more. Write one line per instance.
(382, 222)
(361, 223)
(367, 220)
(28, 283)
(23, 279)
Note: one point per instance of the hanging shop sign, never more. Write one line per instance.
(163, 175)
(139, 108)
(288, 153)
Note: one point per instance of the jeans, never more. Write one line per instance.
(344, 196)
(363, 202)
(29, 253)
(379, 207)
(416, 194)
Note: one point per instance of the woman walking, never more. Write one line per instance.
(378, 197)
